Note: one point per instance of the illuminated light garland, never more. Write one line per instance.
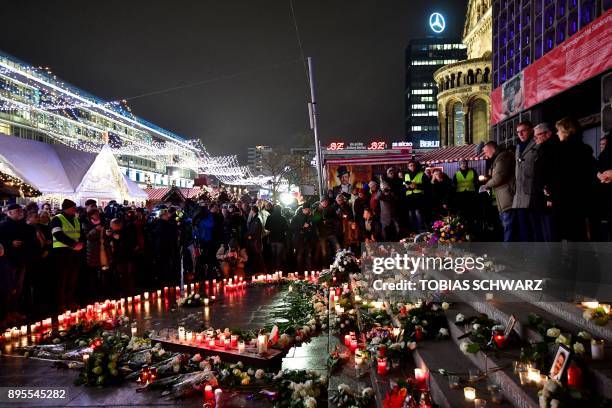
(24, 189)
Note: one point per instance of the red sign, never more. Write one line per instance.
(582, 56)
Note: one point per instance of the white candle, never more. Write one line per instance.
(591, 304)
(85, 358)
(597, 349)
(129, 299)
(262, 343)
(199, 337)
(218, 394)
(241, 346)
(206, 301)
(469, 393)
(533, 375)
(24, 330)
(189, 335)
(181, 333)
(134, 330)
(146, 295)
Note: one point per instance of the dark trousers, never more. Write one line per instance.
(67, 263)
(524, 225)
(125, 277)
(543, 226)
(303, 255)
(277, 255)
(507, 220)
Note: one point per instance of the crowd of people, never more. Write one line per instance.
(549, 187)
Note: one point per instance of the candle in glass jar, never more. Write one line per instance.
(381, 366)
(7, 334)
(211, 343)
(347, 340)
(533, 375)
(189, 335)
(241, 346)
(597, 349)
(227, 343)
(262, 343)
(420, 375)
(134, 330)
(24, 330)
(208, 393)
(353, 344)
(218, 394)
(85, 358)
(469, 393)
(181, 333)
(234, 340)
(146, 295)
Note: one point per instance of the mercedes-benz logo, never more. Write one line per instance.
(437, 23)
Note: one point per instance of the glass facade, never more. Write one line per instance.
(525, 30)
(423, 58)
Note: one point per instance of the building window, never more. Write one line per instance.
(458, 124)
(480, 121)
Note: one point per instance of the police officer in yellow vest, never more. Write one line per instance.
(465, 181)
(67, 246)
(417, 184)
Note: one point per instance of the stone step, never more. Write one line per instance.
(502, 310)
(515, 393)
(438, 354)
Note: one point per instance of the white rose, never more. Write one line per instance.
(475, 326)
(459, 318)
(563, 339)
(553, 332)
(259, 374)
(464, 347)
(585, 335)
(367, 392)
(445, 305)
(310, 402)
(578, 348)
(587, 315)
(443, 332)
(344, 388)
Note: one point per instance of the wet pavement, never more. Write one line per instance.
(248, 308)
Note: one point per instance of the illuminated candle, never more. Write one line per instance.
(199, 337)
(134, 330)
(597, 349)
(85, 358)
(60, 319)
(227, 343)
(353, 344)
(381, 366)
(189, 335)
(158, 292)
(606, 308)
(137, 298)
(146, 295)
(32, 328)
(211, 343)
(339, 309)
(591, 304)
(241, 346)
(234, 340)
(533, 375)
(165, 289)
(181, 333)
(205, 301)
(24, 330)
(499, 339)
(7, 334)
(262, 343)
(208, 393)
(420, 375)
(218, 394)
(129, 299)
(524, 377)
(347, 340)
(418, 333)
(469, 393)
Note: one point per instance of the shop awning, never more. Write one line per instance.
(157, 194)
(370, 160)
(452, 154)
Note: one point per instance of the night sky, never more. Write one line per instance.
(246, 54)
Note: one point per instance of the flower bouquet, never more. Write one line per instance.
(448, 230)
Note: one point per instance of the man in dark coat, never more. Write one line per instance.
(545, 184)
(277, 225)
(304, 236)
(501, 184)
(522, 204)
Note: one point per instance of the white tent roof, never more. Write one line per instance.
(61, 170)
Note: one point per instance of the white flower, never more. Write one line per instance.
(310, 402)
(279, 375)
(216, 359)
(475, 326)
(442, 371)
(259, 374)
(412, 345)
(424, 322)
(250, 371)
(585, 335)
(588, 315)
(443, 332)
(445, 305)
(563, 339)
(343, 388)
(464, 347)
(459, 318)
(553, 332)
(578, 348)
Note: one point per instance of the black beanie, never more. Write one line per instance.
(66, 204)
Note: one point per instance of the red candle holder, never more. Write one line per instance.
(499, 340)
(381, 365)
(418, 333)
(574, 376)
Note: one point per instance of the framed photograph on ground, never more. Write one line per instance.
(509, 326)
(560, 362)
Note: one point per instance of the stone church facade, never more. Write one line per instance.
(464, 88)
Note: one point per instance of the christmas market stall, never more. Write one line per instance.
(68, 173)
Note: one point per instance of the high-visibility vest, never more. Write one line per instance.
(72, 231)
(465, 183)
(418, 179)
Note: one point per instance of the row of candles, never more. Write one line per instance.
(224, 341)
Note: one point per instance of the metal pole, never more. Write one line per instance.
(313, 124)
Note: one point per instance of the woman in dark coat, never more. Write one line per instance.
(577, 172)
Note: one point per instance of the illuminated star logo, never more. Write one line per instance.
(437, 23)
